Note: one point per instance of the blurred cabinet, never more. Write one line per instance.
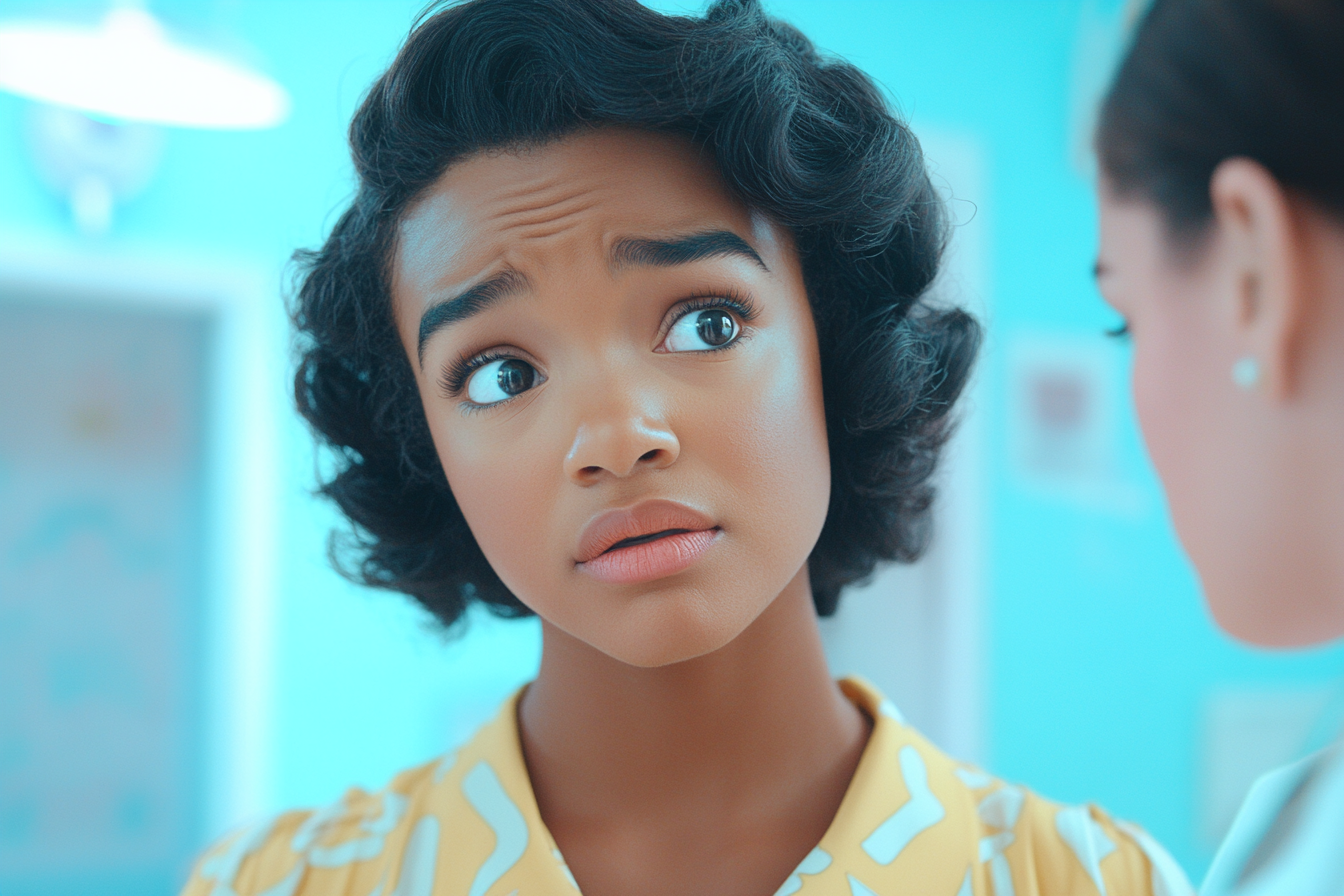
(103, 533)
(138, 456)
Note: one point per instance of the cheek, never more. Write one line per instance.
(1156, 401)
(1165, 380)
(1176, 396)
(504, 484)
(777, 461)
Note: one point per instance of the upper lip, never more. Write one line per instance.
(645, 518)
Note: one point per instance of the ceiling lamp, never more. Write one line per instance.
(128, 69)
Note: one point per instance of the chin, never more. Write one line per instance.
(671, 631)
(1271, 590)
(657, 656)
(1280, 618)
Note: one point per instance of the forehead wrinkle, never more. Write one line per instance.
(524, 187)
(542, 199)
(531, 214)
(544, 217)
(518, 223)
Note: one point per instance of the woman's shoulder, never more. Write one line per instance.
(1287, 834)
(465, 823)
(1029, 844)
(347, 847)
(916, 814)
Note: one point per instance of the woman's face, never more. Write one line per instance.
(1164, 304)
(618, 365)
(1235, 481)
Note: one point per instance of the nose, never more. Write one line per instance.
(620, 445)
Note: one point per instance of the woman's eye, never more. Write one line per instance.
(698, 331)
(499, 380)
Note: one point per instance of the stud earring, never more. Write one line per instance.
(1246, 373)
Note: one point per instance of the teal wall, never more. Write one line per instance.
(1100, 656)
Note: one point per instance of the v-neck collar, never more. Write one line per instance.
(492, 765)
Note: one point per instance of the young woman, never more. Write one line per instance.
(625, 328)
(1222, 245)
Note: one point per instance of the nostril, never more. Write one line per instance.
(590, 471)
(649, 455)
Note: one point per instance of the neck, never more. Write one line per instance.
(734, 731)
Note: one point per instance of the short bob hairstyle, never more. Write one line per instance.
(805, 140)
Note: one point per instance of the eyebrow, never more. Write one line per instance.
(683, 250)
(467, 304)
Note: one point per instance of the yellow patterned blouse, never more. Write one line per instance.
(912, 821)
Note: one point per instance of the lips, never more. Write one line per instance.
(648, 541)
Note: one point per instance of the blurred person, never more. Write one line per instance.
(626, 328)
(1221, 147)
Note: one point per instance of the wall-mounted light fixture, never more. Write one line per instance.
(128, 68)
(125, 73)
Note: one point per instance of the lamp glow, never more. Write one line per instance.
(128, 69)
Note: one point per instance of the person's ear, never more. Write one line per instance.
(1264, 262)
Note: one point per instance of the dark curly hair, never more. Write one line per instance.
(808, 141)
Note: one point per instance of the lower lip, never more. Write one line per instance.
(651, 560)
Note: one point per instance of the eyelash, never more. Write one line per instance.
(739, 303)
(454, 377)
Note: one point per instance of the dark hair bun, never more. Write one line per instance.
(1207, 80)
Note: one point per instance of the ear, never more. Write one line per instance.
(1265, 258)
